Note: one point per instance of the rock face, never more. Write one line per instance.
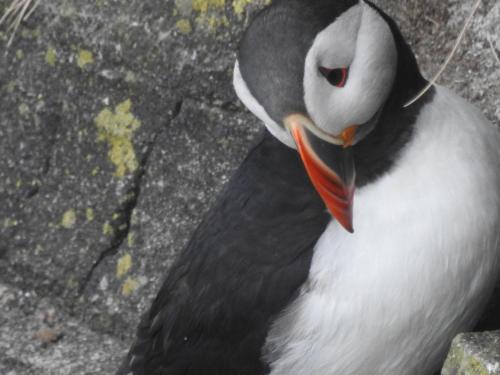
(474, 354)
(119, 127)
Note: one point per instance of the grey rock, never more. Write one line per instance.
(37, 338)
(119, 127)
(474, 354)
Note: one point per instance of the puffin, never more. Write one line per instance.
(359, 235)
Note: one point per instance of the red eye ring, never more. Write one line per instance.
(336, 77)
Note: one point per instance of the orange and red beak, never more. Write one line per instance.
(329, 166)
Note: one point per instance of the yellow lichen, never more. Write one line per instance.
(68, 220)
(51, 56)
(117, 129)
(210, 14)
(84, 58)
(184, 26)
(129, 286)
(107, 229)
(89, 213)
(124, 265)
(239, 6)
(19, 54)
(214, 22)
(19, 183)
(203, 6)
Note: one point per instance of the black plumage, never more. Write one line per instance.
(243, 265)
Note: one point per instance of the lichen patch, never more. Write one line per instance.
(89, 213)
(123, 265)
(117, 129)
(210, 14)
(84, 58)
(68, 220)
(51, 56)
(129, 286)
(184, 26)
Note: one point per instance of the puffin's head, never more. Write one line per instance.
(317, 73)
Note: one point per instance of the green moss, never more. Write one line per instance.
(84, 58)
(51, 56)
(68, 220)
(471, 366)
(460, 363)
(117, 129)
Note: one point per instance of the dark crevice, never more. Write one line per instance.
(52, 123)
(177, 109)
(121, 226)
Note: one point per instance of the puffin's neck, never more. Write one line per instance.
(376, 154)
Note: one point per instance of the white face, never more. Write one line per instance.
(359, 40)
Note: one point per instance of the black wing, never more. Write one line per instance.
(243, 265)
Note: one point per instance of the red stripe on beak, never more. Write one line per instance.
(337, 194)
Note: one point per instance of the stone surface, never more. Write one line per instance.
(474, 354)
(119, 127)
(37, 338)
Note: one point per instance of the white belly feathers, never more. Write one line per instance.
(420, 266)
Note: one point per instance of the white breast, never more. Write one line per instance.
(420, 266)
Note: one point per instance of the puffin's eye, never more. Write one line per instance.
(336, 77)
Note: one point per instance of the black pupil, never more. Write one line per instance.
(335, 77)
